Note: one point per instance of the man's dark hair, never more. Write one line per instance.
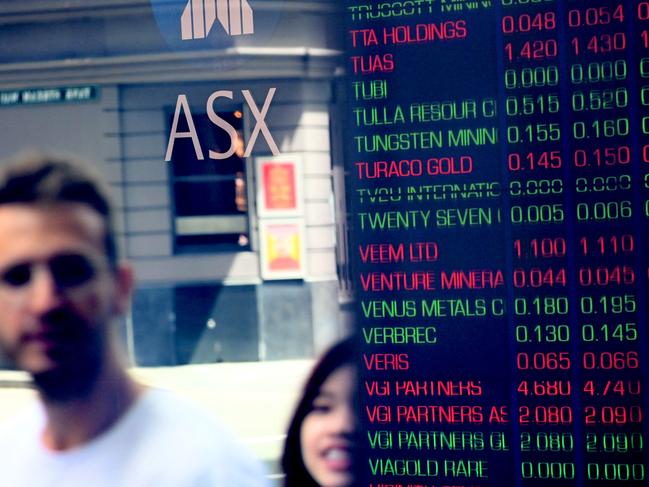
(46, 180)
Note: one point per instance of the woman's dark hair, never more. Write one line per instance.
(343, 353)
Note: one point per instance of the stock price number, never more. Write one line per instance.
(545, 248)
(594, 100)
(542, 333)
(644, 96)
(537, 77)
(614, 443)
(537, 214)
(523, 23)
(600, 211)
(620, 332)
(616, 471)
(534, 132)
(619, 388)
(612, 415)
(599, 184)
(606, 276)
(643, 11)
(644, 36)
(541, 306)
(548, 470)
(593, 16)
(532, 105)
(644, 67)
(599, 72)
(602, 157)
(536, 187)
(610, 360)
(599, 44)
(596, 129)
(536, 278)
(545, 415)
(644, 125)
(511, 3)
(537, 50)
(534, 161)
(543, 361)
(547, 442)
(550, 388)
(646, 186)
(610, 245)
(615, 304)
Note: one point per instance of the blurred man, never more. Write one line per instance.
(61, 290)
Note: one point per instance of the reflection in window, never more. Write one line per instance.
(210, 196)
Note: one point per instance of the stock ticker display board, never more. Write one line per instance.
(498, 175)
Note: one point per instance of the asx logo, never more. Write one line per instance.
(199, 15)
(182, 108)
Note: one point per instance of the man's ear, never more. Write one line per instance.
(124, 282)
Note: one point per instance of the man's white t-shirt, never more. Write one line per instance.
(161, 441)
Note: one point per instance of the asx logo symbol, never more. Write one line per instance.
(199, 15)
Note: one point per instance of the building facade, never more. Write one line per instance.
(217, 131)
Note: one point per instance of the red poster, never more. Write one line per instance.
(279, 186)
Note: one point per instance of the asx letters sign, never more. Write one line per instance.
(198, 17)
(182, 105)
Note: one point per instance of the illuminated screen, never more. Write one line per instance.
(498, 182)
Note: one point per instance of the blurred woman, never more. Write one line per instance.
(321, 437)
